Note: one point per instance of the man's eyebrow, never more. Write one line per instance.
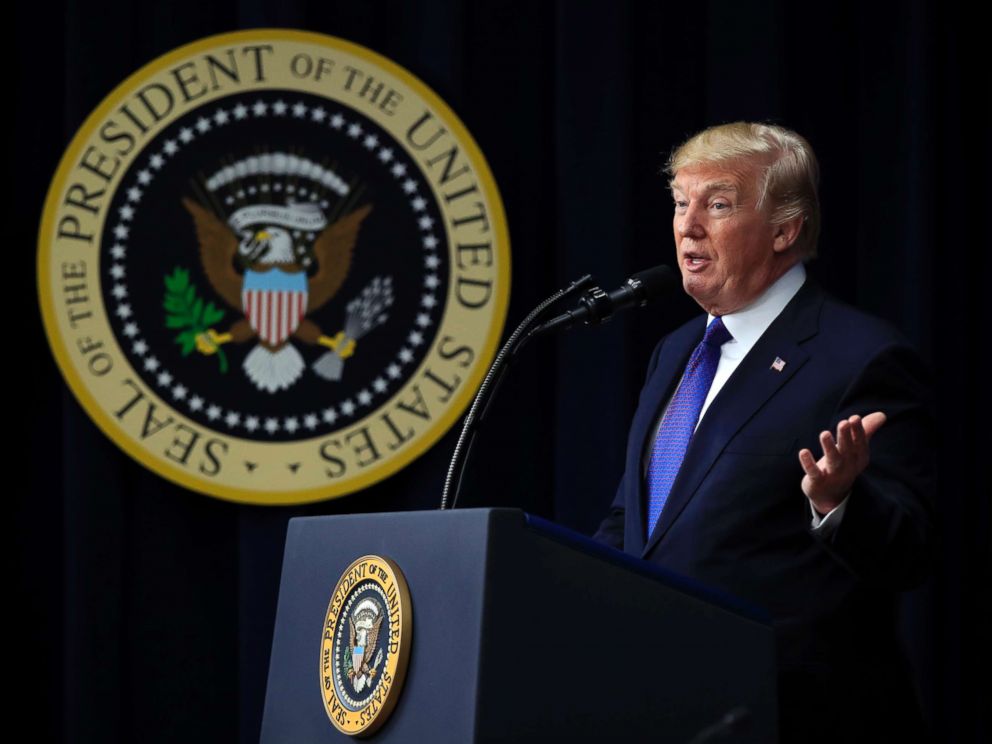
(710, 188)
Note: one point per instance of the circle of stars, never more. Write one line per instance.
(310, 421)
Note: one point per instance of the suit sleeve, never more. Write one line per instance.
(888, 533)
(611, 529)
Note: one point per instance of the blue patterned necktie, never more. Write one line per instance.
(680, 419)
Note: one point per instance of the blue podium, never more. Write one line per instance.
(524, 631)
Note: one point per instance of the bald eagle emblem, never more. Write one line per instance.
(277, 264)
(363, 631)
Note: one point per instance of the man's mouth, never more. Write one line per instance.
(695, 261)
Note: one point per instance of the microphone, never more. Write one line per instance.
(598, 306)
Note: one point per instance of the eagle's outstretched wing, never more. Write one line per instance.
(351, 632)
(333, 253)
(217, 248)
(371, 638)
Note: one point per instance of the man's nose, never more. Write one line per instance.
(689, 224)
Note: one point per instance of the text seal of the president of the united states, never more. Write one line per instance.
(365, 645)
(273, 266)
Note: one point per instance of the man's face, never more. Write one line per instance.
(727, 251)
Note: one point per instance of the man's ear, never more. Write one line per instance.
(786, 233)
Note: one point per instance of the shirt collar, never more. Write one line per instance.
(747, 324)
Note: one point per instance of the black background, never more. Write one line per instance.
(142, 612)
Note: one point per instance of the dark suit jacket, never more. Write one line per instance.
(737, 519)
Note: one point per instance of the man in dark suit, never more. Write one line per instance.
(722, 481)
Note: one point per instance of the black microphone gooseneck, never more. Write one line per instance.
(516, 341)
(596, 306)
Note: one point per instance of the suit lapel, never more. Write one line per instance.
(749, 388)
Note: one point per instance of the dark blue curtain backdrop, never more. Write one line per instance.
(144, 613)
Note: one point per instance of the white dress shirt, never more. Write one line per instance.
(746, 326)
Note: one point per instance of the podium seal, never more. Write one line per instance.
(365, 645)
(273, 266)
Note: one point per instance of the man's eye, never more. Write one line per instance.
(680, 204)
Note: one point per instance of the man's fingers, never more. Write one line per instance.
(845, 441)
(808, 462)
(873, 422)
(829, 449)
(858, 437)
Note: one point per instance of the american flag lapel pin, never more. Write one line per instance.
(779, 364)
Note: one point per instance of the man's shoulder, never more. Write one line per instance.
(850, 326)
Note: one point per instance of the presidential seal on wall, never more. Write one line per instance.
(273, 266)
(365, 645)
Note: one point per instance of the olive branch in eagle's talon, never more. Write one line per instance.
(186, 311)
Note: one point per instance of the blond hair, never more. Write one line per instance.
(788, 183)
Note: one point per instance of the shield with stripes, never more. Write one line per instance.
(274, 301)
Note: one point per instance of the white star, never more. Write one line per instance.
(186, 135)
(379, 385)
(221, 117)
(232, 419)
(337, 121)
(428, 301)
(202, 125)
(291, 424)
(409, 185)
(259, 109)
(169, 147)
(385, 155)
(347, 408)
(423, 320)
(195, 403)
(394, 371)
(364, 397)
(279, 107)
(398, 170)
(418, 204)
(120, 232)
(151, 364)
(430, 242)
(299, 110)
(432, 262)
(118, 251)
(179, 392)
(310, 421)
(131, 329)
(425, 222)
(134, 194)
(370, 141)
(117, 271)
(431, 281)
(271, 425)
(330, 415)
(240, 111)
(119, 291)
(405, 355)
(318, 114)
(354, 130)
(126, 212)
(415, 338)
(140, 347)
(156, 161)
(251, 423)
(213, 412)
(124, 310)
(144, 177)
